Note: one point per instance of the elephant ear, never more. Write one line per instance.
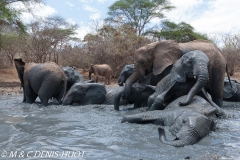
(165, 54)
(177, 72)
(95, 93)
(19, 64)
(227, 90)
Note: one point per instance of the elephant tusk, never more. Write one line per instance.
(194, 77)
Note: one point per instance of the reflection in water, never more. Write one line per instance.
(95, 132)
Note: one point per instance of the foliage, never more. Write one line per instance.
(181, 32)
(137, 13)
(114, 46)
(46, 38)
(231, 51)
(10, 16)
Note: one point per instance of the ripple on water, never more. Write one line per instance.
(97, 130)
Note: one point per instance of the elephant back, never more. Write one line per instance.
(211, 50)
(198, 104)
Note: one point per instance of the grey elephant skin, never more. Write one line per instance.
(73, 76)
(231, 94)
(125, 73)
(101, 70)
(139, 95)
(188, 124)
(44, 80)
(180, 81)
(95, 93)
(158, 56)
(149, 79)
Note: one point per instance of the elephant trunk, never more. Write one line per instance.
(201, 73)
(120, 81)
(187, 140)
(117, 100)
(128, 84)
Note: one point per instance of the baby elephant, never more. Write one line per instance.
(101, 70)
(95, 93)
(43, 80)
(73, 76)
(188, 124)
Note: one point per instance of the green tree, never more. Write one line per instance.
(181, 32)
(138, 13)
(11, 16)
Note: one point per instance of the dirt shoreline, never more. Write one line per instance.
(10, 83)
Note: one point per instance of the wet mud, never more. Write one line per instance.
(96, 132)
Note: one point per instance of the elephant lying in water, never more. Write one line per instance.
(231, 94)
(95, 93)
(188, 124)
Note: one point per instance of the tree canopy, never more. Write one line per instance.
(180, 32)
(10, 15)
(138, 13)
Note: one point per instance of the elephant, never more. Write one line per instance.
(139, 95)
(102, 70)
(73, 76)
(231, 92)
(158, 58)
(125, 73)
(148, 79)
(95, 93)
(180, 81)
(188, 124)
(43, 80)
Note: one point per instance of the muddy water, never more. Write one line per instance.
(95, 132)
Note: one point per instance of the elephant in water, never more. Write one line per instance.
(149, 79)
(73, 76)
(95, 93)
(125, 73)
(189, 75)
(188, 124)
(159, 57)
(231, 94)
(45, 80)
(101, 70)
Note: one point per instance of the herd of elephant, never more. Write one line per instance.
(182, 84)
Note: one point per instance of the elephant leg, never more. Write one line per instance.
(47, 91)
(60, 95)
(109, 80)
(96, 78)
(30, 95)
(216, 87)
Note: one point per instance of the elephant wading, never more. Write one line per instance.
(188, 124)
(125, 73)
(44, 80)
(158, 57)
(95, 93)
(102, 70)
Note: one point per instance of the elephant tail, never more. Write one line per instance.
(229, 78)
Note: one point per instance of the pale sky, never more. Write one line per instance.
(206, 16)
